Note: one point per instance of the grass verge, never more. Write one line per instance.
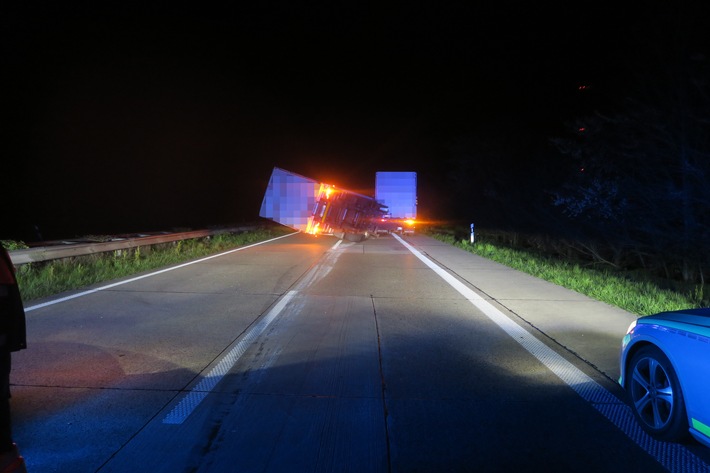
(630, 292)
(37, 280)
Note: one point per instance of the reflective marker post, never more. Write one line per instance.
(473, 236)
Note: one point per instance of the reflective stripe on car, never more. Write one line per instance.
(700, 427)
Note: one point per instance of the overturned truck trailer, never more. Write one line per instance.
(314, 207)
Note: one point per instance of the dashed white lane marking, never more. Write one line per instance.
(109, 286)
(673, 456)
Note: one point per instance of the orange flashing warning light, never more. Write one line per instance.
(325, 191)
(409, 221)
(312, 226)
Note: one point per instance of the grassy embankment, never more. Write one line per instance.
(632, 292)
(38, 280)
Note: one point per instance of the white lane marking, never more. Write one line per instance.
(673, 456)
(109, 286)
(198, 393)
(188, 404)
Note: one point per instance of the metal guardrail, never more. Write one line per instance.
(46, 253)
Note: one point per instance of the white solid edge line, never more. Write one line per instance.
(109, 286)
(673, 456)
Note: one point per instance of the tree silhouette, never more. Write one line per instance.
(639, 176)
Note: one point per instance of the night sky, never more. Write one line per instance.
(152, 116)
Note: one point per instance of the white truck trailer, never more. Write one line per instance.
(398, 192)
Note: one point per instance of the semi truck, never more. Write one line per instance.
(307, 205)
(314, 207)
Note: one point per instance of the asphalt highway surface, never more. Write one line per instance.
(312, 354)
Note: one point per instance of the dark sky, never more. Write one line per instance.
(129, 116)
